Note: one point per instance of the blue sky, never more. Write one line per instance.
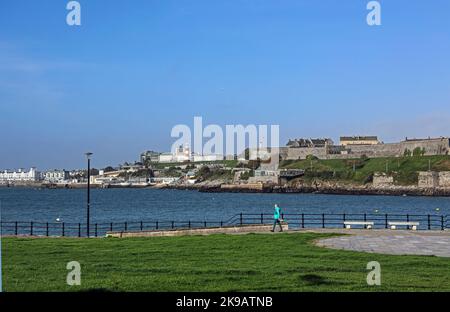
(117, 84)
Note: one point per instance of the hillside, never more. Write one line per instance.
(404, 169)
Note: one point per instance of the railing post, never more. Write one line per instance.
(205, 223)
(111, 227)
(173, 224)
(46, 229)
(16, 228)
(386, 221)
(303, 220)
(79, 229)
(407, 217)
(63, 229)
(142, 226)
(365, 217)
(323, 220)
(344, 219)
(189, 224)
(442, 223)
(241, 218)
(126, 226)
(31, 228)
(157, 225)
(429, 222)
(221, 223)
(262, 218)
(96, 230)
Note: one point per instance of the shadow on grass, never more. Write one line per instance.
(316, 280)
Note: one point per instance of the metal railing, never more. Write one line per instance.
(296, 221)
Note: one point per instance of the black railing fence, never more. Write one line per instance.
(296, 221)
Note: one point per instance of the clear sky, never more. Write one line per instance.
(117, 84)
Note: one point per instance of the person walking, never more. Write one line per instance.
(277, 218)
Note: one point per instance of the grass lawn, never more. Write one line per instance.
(253, 262)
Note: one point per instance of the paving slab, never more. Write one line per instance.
(435, 243)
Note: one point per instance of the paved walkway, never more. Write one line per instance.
(392, 242)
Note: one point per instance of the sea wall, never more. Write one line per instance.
(444, 179)
(433, 179)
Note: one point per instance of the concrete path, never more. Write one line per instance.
(427, 243)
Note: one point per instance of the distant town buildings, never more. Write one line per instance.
(19, 175)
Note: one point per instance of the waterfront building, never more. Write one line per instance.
(56, 176)
(19, 175)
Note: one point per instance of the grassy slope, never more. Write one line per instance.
(254, 262)
(404, 169)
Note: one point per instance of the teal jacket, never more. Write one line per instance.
(276, 214)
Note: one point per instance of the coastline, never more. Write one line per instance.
(243, 188)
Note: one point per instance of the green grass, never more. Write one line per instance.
(404, 169)
(253, 262)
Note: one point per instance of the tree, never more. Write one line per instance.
(109, 169)
(418, 151)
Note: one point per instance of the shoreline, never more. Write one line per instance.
(303, 189)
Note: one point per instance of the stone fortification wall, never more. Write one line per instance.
(440, 146)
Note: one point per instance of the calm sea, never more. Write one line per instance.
(115, 205)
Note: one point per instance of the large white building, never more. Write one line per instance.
(19, 176)
(181, 154)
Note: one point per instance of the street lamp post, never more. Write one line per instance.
(88, 156)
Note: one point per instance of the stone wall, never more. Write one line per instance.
(428, 179)
(303, 152)
(440, 146)
(264, 179)
(199, 231)
(382, 179)
(247, 186)
(444, 179)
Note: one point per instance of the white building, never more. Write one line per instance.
(212, 157)
(56, 176)
(19, 176)
(166, 158)
(181, 154)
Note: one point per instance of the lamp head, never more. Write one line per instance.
(88, 155)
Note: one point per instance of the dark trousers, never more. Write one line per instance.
(275, 222)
